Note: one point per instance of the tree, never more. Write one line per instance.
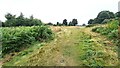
(31, 21)
(102, 16)
(36, 22)
(9, 16)
(20, 20)
(97, 21)
(90, 21)
(3, 24)
(105, 21)
(112, 15)
(74, 22)
(83, 24)
(49, 23)
(31, 17)
(65, 22)
(117, 14)
(11, 20)
(70, 23)
(58, 23)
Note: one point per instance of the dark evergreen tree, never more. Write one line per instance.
(65, 22)
(74, 22)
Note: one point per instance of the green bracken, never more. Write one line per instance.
(15, 38)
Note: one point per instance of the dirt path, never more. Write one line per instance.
(59, 52)
(65, 49)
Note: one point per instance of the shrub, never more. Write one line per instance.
(97, 29)
(14, 38)
(113, 25)
(111, 30)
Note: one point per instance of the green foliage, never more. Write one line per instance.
(113, 25)
(111, 30)
(105, 21)
(106, 15)
(12, 20)
(15, 38)
(90, 55)
(102, 17)
(117, 14)
(97, 21)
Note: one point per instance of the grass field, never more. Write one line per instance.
(72, 46)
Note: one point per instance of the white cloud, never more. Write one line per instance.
(57, 10)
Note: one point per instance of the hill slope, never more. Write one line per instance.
(72, 46)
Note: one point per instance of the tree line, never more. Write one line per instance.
(104, 17)
(12, 20)
(74, 22)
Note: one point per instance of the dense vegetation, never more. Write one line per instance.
(19, 32)
(110, 30)
(103, 17)
(93, 53)
(12, 20)
(111, 25)
(14, 38)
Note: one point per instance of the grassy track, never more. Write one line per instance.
(72, 46)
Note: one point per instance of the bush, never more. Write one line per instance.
(97, 29)
(111, 30)
(113, 34)
(113, 25)
(14, 38)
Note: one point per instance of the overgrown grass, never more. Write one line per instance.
(73, 46)
(24, 54)
(93, 53)
(111, 30)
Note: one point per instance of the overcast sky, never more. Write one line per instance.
(57, 10)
